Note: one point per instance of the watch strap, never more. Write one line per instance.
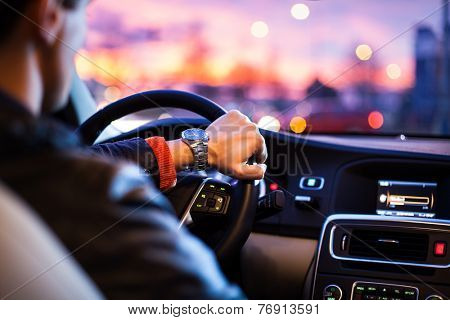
(200, 152)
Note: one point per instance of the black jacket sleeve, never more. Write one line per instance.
(134, 150)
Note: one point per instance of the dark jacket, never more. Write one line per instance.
(120, 227)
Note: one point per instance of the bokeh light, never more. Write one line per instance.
(393, 71)
(83, 67)
(300, 11)
(259, 29)
(269, 123)
(375, 119)
(112, 93)
(363, 52)
(298, 124)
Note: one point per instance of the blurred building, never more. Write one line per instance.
(425, 95)
(441, 123)
(323, 98)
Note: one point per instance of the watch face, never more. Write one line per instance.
(194, 134)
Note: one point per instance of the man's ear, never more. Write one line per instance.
(48, 18)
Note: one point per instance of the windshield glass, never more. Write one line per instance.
(340, 66)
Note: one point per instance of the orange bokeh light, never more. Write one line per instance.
(298, 124)
(375, 119)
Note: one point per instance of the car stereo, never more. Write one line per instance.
(382, 291)
(406, 198)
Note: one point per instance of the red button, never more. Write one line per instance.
(273, 186)
(440, 248)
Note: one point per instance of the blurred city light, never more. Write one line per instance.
(393, 71)
(112, 93)
(375, 120)
(269, 123)
(259, 29)
(83, 67)
(300, 11)
(363, 52)
(298, 124)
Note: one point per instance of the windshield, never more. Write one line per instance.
(340, 66)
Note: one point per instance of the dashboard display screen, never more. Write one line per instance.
(406, 198)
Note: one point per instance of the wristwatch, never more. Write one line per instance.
(197, 140)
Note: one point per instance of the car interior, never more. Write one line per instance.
(340, 215)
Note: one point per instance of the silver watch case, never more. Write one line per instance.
(197, 140)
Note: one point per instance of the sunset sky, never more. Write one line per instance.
(151, 44)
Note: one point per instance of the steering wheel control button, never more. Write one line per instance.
(434, 297)
(332, 292)
(200, 204)
(213, 199)
(204, 200)
(312, 183)
(211, 187)
(219, 201)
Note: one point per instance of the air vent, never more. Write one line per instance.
(387, 245)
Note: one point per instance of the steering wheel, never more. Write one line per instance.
(224, 222)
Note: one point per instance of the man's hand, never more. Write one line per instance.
(233, 139)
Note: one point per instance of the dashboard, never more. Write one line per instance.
(381, 216)
(355, 178)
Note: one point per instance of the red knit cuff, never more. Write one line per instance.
(167, 172)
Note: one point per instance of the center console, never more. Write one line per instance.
(386, 256)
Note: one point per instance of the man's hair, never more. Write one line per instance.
(11, 12)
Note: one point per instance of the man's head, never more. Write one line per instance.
(44, 36)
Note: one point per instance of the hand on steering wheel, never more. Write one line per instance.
(233, 139)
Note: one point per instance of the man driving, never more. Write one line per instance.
(96, 197)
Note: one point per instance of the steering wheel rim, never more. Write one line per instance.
(91, 129)
(241, 221)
